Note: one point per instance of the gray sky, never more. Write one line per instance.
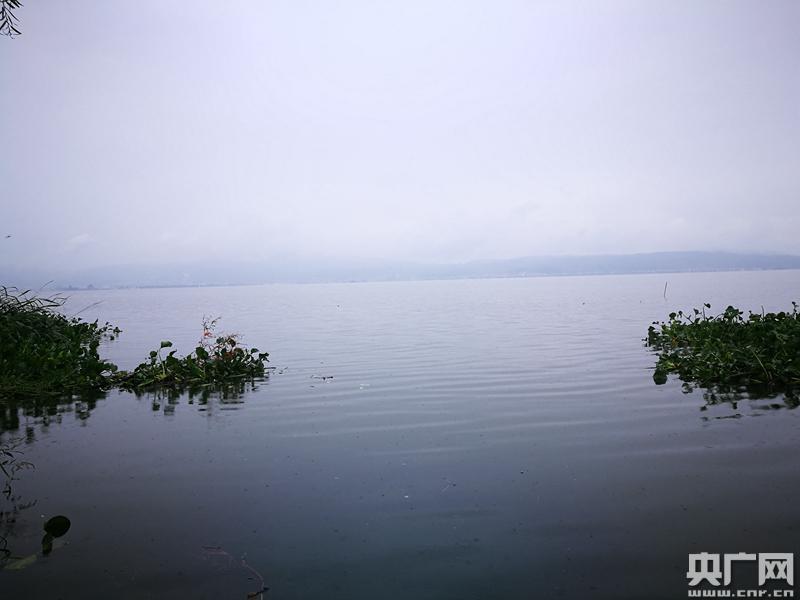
(429, 131)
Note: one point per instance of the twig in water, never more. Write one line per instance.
(264, 588)
(219, 551)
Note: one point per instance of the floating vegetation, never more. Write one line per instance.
(43, 352)
(730, 354)
(218, 359)
(55, 527)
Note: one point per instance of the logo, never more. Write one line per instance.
(717, 571)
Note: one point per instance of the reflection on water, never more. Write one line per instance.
(759, 397)
(42, 412)
(18, 413)
(207, 398)
(462, 439)
(12, 504)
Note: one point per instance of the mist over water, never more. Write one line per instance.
(477, 417)
(443, 439)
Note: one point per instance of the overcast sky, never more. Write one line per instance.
(428, 131)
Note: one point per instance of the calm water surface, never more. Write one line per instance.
(478, 439)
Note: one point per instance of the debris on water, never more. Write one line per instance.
(264, 589)
(218, 551)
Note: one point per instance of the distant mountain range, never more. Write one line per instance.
(533, 266)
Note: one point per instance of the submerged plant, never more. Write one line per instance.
(11, 463)
(730, 351)
(55, 527)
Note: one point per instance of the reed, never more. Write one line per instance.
(43, 351)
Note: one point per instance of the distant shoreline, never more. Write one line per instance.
(412, 279)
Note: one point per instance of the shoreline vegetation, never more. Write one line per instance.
(46, 353)
(730, 354)
(47, 357)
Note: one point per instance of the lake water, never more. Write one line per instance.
(478, 439)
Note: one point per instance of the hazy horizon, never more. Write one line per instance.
(220, 272)
(148, 133)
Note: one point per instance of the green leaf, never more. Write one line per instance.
(57, 526)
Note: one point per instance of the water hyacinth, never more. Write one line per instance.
(45, 353)
(42, 351)
(217, 359)
(759, 351)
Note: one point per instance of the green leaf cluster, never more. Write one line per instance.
(758, 351)
(42, 350)
(224, 361)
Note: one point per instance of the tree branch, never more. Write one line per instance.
(8, 20)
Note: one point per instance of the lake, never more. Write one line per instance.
(465, 439)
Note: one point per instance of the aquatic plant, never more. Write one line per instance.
(11, 463)
(759, 352)
(43, 351)
(218, 359)
(55, 527)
